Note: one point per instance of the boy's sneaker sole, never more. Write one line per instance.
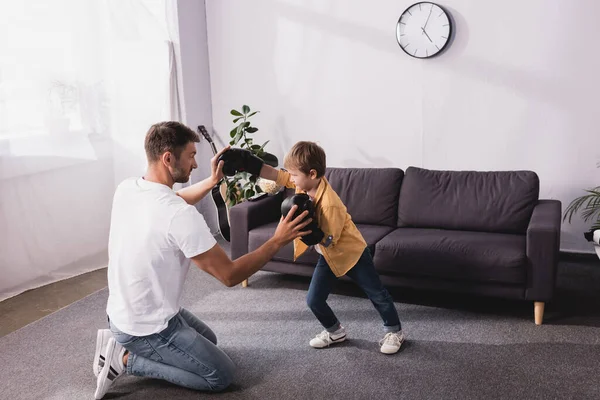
(322, 345)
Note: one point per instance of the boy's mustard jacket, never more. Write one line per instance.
(333, 219)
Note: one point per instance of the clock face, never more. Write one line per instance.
(423, 30)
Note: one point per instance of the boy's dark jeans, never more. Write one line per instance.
(365, 276)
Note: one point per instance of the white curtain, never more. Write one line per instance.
(80, 84)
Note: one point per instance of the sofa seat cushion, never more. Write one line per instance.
(258, 236)
(447, 254)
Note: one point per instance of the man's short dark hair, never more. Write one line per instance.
(169, 136)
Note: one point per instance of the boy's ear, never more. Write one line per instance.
(312, 173)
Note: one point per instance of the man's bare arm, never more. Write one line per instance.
(196, 192)
(230, 273)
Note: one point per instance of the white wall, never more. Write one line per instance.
(517, 89)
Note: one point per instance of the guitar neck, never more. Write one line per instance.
(207, 137)
(213, 147)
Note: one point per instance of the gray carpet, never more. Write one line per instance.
(459, 347)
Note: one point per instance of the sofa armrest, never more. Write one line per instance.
(248, 215)
(543, 247)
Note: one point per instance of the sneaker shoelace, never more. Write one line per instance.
(390, 338)
(324, 336)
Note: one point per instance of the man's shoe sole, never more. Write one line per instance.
(97, 354)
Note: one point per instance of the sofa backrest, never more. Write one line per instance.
(499, 201)
(370, 194)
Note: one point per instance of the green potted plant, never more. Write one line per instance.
(589, 206)
(243, 185)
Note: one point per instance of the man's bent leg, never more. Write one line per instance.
(180, 355)
(199, 326)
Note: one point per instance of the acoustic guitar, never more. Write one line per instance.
(218, 194)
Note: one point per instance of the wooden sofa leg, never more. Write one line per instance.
(245, 284)
(538, 310)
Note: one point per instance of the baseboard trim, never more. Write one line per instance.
(573, 256)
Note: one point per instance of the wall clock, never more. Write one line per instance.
(423, 30)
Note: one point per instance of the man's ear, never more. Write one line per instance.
(167, 158)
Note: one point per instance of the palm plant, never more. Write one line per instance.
(589, 205)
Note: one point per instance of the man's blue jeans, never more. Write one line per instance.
(185, 353)
(365, 276)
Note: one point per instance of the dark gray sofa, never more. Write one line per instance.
(484, 233)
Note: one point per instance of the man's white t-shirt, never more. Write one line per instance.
(153, 235)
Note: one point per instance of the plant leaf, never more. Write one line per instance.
(249, 193)
(579, 202)
(251, 129)
(236, 113)
(258, 189)
(237, 137)
(264, 144)
(245, 109)
(248, 116)
(237, 119)
(233, 132)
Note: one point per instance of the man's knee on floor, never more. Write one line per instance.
(223, 377)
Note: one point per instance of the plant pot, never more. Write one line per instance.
(594, 237)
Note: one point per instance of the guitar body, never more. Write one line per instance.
(222, 211)
(219, 194)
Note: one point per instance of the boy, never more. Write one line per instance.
(343, 250)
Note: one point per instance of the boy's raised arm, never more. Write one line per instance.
(279, 176)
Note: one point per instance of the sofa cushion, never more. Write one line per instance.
(370, 194)
(476, 256)
(499, 201)
(258, 236)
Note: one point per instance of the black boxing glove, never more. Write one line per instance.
(304, 203)
(240, 160)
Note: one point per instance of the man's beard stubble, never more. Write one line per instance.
(179, 175)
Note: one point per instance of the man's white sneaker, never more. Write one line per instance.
(391, 342)
(113, 367)
(325, 339)
(99, 357)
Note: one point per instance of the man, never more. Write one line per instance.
(155, 235)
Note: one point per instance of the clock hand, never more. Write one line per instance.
(424, 26)
(427, 35)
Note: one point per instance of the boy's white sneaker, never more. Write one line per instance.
(99, 357)
(113, 367)
(325, 338)
(391, 342)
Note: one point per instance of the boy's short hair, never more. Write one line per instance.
(305, 156)
(166, 136)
